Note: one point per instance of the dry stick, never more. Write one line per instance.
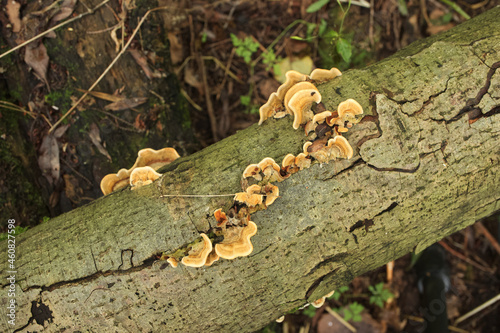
(226, 72)
(464, 258)
(54, 28)
(108, 68)
(488, 236)
(341, 320)
(196, 195)
(476, 310)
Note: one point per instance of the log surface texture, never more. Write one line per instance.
(426, 165)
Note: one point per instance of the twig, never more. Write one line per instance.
(108, 68)
(451, 328)
(341, 320)
(464, 258)
(54, 28)
(476, 310)
(190, 100)
(208, 100)
(226, 72)
(196, 195)
(488, 236)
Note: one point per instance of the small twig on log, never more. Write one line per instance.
(476, 310)
(196, 195)
(91, 11)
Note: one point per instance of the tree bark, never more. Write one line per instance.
(426, 165)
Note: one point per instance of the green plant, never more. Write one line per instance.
(310, 311)
(341, 41)
(244, 47)
(271, 60)
(336, 295)
(353, 311)
(379, 294)
(17, 230)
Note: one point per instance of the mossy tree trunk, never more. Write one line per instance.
(426, 165)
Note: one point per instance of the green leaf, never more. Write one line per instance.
(314, 7)
(322, 27)
(310, 311)
(344, 49)
(245, 100)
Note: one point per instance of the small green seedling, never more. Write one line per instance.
(245, 48)
(336, 295)
(353, 311)
(380, 295)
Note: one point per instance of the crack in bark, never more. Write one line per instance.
(89, 278)
(317, 282)
(328, 260)
(394, 169)
(471, 104)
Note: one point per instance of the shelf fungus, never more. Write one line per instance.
(236, 242)
(320, 75)
(147, 157)
(115, 181)
(319, 302)
(199, 253)
(299, 100)
(347, 114)
(155, 158)
(251, 197)
(142, 176)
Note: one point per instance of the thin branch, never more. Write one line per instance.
(476, 310)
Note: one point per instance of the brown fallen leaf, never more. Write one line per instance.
(65, 10)
(36, 57)
(48, 159)
(176, 54)
(12, 7)
(71, 188)
(126, 103)
(95, 137)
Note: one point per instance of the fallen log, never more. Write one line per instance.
(426, 165)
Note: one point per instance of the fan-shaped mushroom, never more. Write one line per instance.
(237, 242)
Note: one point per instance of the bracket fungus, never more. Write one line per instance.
(237, 242)
(298, 101)
(199, 252)
(147, 157)
(273, 108)
(251, 197)
(115, 181)
(142, 176)
(319, 302)
(155, 158)
(320, 75)
(270, 169)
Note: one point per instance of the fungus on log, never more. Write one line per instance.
(426, 163)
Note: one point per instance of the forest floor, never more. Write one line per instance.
(246, 47)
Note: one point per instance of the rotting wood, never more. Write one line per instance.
(429, 167)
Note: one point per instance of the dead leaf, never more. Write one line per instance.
(60, 131)
(176, 54)
(12, 8)
(95, 137)
(142, 61)
(139, 123)
(65, 10)
(71, 188)
(191, 78)
(36, 57)
(48, 159)
(126, 103)
(87, 102)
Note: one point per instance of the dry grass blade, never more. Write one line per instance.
(340, 319)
